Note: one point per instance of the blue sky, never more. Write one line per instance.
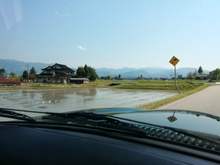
(111, 33)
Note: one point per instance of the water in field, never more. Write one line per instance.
(63, 100)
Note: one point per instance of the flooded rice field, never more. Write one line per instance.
(62, 100)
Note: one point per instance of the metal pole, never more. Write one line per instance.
(28, 71)
(175, 77)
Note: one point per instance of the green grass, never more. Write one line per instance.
(181, 95)
(183, 85)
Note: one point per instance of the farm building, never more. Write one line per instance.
(79, 80)
(56, 73)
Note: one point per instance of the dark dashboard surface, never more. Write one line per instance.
(27, 145)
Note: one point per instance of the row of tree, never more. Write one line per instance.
(213, 75)
(31, 75)
(81, 72)
(2, 72)
(90, 73)
(11, 74)
(196, 75)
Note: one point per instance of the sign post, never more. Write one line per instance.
(174, 61)
(175, 76)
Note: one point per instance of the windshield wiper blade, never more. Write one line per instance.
(4, 112)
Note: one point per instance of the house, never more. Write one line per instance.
(79, 80)
(56, 73)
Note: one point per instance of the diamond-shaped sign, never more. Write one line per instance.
(174, 61)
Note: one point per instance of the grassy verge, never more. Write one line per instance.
(40, 86)
(183, 85)
(183, 94)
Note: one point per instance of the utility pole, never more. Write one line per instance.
(28, 72)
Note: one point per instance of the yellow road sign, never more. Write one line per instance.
(174, 61)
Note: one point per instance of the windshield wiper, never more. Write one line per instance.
(4, 112)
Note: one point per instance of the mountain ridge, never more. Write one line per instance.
(147, 72)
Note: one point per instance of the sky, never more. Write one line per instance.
(111, 33)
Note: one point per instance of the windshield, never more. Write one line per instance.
(130, 56)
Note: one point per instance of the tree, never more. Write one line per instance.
(189, 75)
(108, 77)
(140, 77)
(215, 74)
(180, 76)
(80, 72)
(87, 72)
(25, 75)
(86, 69)
(200, 70)
(2, 72)
(12, 75)
(92, 74)
(32, 73)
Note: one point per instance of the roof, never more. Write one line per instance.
(58, 67)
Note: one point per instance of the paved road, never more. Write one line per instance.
(207, 100)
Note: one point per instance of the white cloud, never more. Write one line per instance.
(82, 48)
(11, 13)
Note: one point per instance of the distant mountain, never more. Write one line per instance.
(145, 72)
(19, 66)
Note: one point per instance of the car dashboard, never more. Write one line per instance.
(23, 144)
